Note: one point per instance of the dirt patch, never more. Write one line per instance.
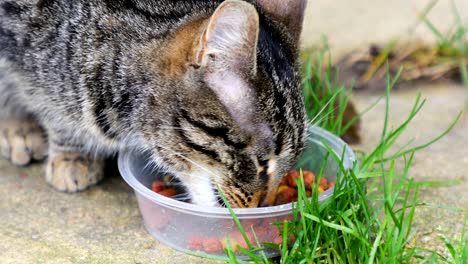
(367, 70)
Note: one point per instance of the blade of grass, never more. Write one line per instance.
(423, 146)
(423, 17)
(236, 219)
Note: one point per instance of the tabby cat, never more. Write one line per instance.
(211, 88)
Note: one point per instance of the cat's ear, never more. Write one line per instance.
(230, 40)
(228, 54)
(288, 12)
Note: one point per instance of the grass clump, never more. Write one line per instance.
(452, 47)
(369, 218)
(444, 59)
(328, 106)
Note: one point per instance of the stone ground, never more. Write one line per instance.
(348, 25)
(445, 161)
(103, 225)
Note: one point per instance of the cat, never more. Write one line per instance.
(211, 88)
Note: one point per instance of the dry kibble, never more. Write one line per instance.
(324, 183)
(292, 177)
(234, 243)
(308, 179)
(241, 240)
(195, 243)
(278, 240)
(212, 245)
(168, 192)
(273, 230)
(320, 190)
(158, 186)
(260, 231)
(281, 189)
(287, 192)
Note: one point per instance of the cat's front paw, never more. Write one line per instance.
(22, 141)
(70, 172)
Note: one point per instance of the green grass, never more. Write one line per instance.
(446, 58)
(325, 102)
(452, 44)
(370, 217)
(321, 98)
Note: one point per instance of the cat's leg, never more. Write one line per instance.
(67, 168)
(22, 139)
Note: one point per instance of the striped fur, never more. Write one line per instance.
(103, 75)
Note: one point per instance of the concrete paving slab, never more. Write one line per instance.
(358, 23)
(103, 225)
(446, 160)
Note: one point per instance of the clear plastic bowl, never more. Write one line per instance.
(179, 224)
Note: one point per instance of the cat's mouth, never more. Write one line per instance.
(199, 194)
(198, 189)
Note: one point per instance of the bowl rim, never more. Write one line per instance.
(334, 141)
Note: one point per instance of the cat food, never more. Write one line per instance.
(236, 239)
(195, 242)
(184, 226)
(212, 245)
(287, 191)
(264, 231)
(162, 188)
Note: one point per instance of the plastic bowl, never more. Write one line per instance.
(188, 227)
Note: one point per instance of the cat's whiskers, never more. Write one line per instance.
(193, 176)
(176, 128)
(181, 196)
(189, 160)
(153, 165)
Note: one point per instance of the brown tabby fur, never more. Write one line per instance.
(210, 88)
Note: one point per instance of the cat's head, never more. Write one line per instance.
(237, 117)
